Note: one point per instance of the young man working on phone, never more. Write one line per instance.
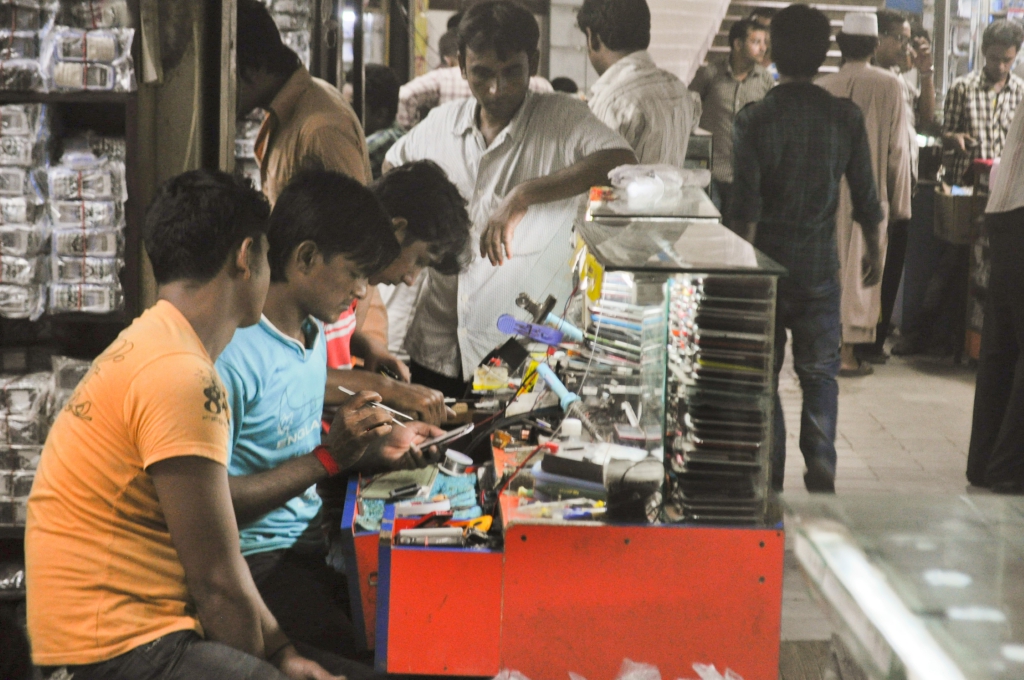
(327, 235)
(429, 218)
(131, 547)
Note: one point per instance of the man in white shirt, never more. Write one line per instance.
(521, 159)
(650, 107)
(996, 456)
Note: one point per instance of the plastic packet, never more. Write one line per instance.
(21, 483)
(90, 298)
(23, 271)
(85, 215)
(19, 44)
(88, 243)
(291, 22)
(98, 180)
(301, 7)
(74, 59)
(22, 240)
(632, 670)
(22, 302)
(22, 120)
(25, 394)
(508, 674)
(101, 146)
(85, 269)
(20, 431)
(14, 181)
(20, 457)
(18, 151)
(68, 371)
(12, 575)
(104, 46)
(299, 43)
(20, 75)
(20, 209)
(673, 178)
(21, 15)
(96, 13)
(245, 148)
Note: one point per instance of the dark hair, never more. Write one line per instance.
(1004, 33)
(621, 25)
(890, 21)
(421, 193)
(566, 85)
(381, 90)
(761, 13)
(197, 220)
(919, 31)
(856, 47)
(453, 22)
(258, 42)
(741, 28)
(338, 214)
(500, 25)
(801, 36)
(448, 45)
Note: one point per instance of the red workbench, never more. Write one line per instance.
(572, 596)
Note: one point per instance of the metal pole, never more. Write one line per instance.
(358, 65)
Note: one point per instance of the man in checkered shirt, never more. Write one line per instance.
(980, 105)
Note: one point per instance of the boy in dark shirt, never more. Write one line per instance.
(790, 152)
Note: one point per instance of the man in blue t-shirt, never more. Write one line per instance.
(327, 235)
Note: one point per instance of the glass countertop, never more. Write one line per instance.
(676, 245)
(928, 587)
(690, 202)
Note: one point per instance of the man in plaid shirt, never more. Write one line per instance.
(980, 105)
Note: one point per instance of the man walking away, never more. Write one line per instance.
(791, 151)
(724, 90)
(649, 107)
(880, 97)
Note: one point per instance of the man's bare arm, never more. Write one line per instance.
(496, 241)
(355, 425)
(196, 503)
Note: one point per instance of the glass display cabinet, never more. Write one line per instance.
(680, 312)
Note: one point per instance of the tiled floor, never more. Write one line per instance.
(904, 429)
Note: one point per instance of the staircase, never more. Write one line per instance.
(835, 11)
(682, 32)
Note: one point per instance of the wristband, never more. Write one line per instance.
(323, 454)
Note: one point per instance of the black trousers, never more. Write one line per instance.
(895, 257)
(449, 387)
(308, 598)
(996, 455)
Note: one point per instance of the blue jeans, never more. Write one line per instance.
(186, 656)
(812, 314)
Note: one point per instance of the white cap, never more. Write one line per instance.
(861, 23)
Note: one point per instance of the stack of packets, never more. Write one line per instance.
(90, 48)
(438, 491)
(86, 210)
(24, 230)
(28, 404)
(27, 23)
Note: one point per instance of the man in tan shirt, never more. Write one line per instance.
(310, 125)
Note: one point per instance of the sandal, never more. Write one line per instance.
(863, 369)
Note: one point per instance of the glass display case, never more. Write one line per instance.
(679, 312)
(922, 586)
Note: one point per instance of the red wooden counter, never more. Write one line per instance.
(575, 596)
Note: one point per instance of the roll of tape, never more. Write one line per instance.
(455, 463)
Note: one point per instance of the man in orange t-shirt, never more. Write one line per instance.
(132, 556)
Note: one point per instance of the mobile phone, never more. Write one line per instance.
(447, 437)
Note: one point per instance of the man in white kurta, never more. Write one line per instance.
(879, 96)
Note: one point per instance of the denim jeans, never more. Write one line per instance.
(812, 314)
(186, 656)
